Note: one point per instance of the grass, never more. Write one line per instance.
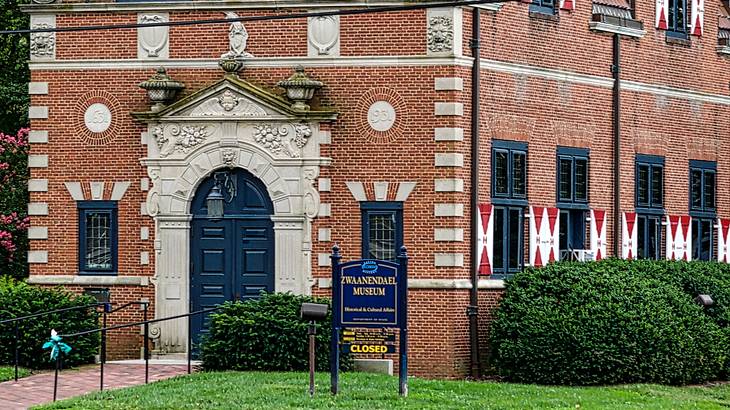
(8, 373)
(257, 390)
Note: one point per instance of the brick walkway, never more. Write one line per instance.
(38, 388)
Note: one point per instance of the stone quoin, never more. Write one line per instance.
(368, 145)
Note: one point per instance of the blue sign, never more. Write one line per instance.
(369, 294)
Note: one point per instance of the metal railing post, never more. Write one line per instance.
(55, 378)
(190, 343)
(103, 349)
(17, 350)
(146, 347)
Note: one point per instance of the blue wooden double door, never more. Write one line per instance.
(233, 256)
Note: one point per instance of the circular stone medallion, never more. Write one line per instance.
(98, 118)
(381, 116)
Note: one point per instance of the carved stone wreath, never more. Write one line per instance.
(183, 138)
(363, 113)
(79, 123)
(278, 141)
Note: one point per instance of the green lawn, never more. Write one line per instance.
(8, 373)
(256, 390)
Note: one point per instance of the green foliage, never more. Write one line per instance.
(20, 299)
(15, 75)
(613, 321)
(8, 373)
(14, 204)
(265, 334)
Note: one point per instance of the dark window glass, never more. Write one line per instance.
(709, 190)
(501, 166)
(518, 174)
(648, 236)
(382, 230)
(566, 180)
(581, 180)
(515, 233)
(543, 6)
(499, 242)
(702, 240)
(98, 240)
(572, 232)
(657, 186)
(642, 185)
(381, 236)
(696, 188)
(676, 19)
(97, 237)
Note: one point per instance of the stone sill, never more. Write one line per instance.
(724, 50)
(599, 26)
(544, 16)
(684, 42)
(89, 280)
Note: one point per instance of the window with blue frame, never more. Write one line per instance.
(543, 6)
(97, 237)
(677, 20)
(509, 198)
(649, 201)
(572, 194)
(382, 230)
(702, 190)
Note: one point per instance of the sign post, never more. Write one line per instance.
(370, 295)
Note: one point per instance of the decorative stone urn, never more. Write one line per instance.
(300, 89)
(161, 88)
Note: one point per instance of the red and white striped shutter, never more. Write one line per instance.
(628, 235)
(567, 4)
(536, 217)
(696, 23)
(686, 222)
(723, 239)
(485, 238)
(553, 244)
(679, 237)
(598, 234)
(662, 11)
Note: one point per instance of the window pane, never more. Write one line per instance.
(709, 190)
(500, 172)
(381, 236)
(680, 15)
(706, 238)
(515, 232)
(654, 238)
(98, 241)
(577, 230)
(563, 234)
(519, 173)
(696, 188)
(657, 186)
(565, 181)
(641, 251)
(499, 242)
(581, 180)
(642, 185)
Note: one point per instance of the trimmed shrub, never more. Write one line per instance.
(20, 299)
(266, 334)
(609, 322)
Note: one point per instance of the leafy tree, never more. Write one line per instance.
(14, 74)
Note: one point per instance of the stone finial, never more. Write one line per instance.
(300, 88)
(161, 88)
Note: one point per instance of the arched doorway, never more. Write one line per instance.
(232, 258)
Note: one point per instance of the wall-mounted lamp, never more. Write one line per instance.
(214, 201)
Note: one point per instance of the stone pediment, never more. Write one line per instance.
(235, 99)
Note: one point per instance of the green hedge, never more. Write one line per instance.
(20, 299)
(613, 321)
(265, 334)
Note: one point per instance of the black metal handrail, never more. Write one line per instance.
(146, 324)
(102, 354)
(16, 320)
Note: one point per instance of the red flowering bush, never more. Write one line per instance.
(13, 204)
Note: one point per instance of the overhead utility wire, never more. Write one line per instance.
(351, 12)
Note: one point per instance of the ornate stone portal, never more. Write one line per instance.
(226, 125)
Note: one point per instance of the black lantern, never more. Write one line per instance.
(215, 202)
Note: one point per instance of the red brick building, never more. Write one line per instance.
(382, 155)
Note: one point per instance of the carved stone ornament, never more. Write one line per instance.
(183, 138)
(277, 139)
(228, 104)
(228, 100)
(228, 156)
(153, 40)
(440, 34)
(42, 45)
(324, 32)
(237, 39)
